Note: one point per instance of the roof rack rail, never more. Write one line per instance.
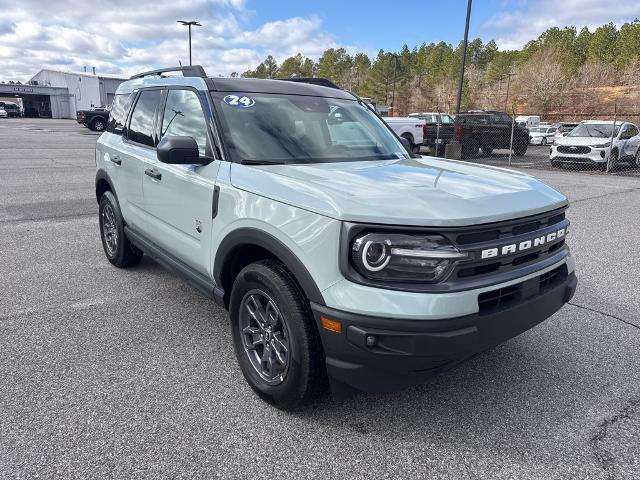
(323, 82)
(188, 71)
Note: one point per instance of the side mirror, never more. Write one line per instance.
(179, 150)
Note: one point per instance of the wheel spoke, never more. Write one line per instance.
(256, 311)
(280, 344)
(271, 315)
(279, 356)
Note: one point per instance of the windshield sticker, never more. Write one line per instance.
(239, 101)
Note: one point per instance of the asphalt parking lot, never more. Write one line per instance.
(131, 374)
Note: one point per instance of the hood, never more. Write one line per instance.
(582, 141)
(426, 191)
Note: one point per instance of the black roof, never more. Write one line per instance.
(259, 85)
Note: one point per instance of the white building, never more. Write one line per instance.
(61, 94)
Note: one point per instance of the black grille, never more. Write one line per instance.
(551, 279)
(576, 150)
(498, 299)
(500, 234)
(503, 298)
(504, 230)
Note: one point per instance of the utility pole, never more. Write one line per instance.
(464, 56)
(393, 94)
(506, 98)
(189, 24)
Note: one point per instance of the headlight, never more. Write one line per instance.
(602, 145)
(403, 258)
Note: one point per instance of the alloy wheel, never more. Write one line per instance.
(109, 229)
(264, 336)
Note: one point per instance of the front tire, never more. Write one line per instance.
(274, 336)
(635, 161)
(486, 151)
(117, 247)
(613, 159)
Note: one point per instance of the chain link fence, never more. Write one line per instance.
(605, 143)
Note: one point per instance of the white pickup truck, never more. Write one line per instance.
(407, 127)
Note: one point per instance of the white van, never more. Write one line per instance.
(528, 121)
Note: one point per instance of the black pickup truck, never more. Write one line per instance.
(437, 130)
(487, 130)
(94, 119)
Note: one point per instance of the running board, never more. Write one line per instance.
(168, 261)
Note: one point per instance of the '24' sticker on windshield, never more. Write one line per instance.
(239, 101)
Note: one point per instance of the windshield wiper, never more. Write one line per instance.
(249, 161)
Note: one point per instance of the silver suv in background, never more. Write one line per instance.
(598, 142)
(343, 259)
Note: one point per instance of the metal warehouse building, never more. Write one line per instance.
(56, 94)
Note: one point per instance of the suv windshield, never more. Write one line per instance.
(275, 128)
(596, 130)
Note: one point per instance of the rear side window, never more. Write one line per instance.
(142, 124)
(471, 119)
(118, 113)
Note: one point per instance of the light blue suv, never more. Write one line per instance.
(343, 259)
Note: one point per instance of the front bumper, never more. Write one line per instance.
(540, 141)
(595, 156)
(376, 354)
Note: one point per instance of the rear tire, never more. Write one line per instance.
(99, 125)
(117, 247)
(268, 311)
(520, 148)
(544, 142)
(486, 151)
(470, 150)
(412, 146)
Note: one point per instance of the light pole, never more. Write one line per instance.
(464, 56)
(189, 23)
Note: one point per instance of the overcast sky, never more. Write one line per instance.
(122, 37)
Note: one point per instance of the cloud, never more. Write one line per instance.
(124, 37)
(523, 20)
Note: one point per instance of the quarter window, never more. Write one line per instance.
(118, 113)
(141, 126)
(183, 116)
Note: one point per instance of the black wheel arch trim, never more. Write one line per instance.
(254, 237)
(102, 175)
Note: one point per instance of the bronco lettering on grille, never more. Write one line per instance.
(522, 246)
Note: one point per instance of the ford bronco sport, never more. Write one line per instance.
(343, 260)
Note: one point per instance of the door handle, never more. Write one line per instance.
(153, 173)
(116, 159)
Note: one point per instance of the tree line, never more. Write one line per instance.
(541, 77)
